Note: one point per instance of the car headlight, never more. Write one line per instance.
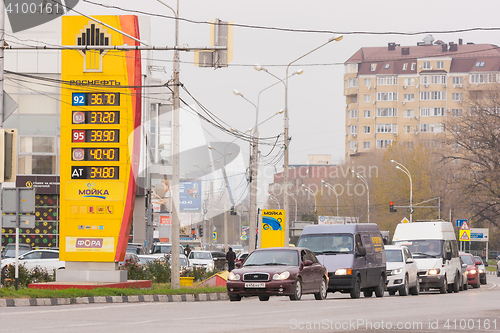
(397, 271)
(343, 271)
(434, 271)
(210, 266)
(233, 277)
(283, 276)
(472, 271)
(481, 271)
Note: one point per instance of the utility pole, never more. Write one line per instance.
(2, 62)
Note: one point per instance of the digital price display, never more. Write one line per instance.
(96, 99)
(94, 135)
(95, 172)
(95, 154)
(96, 117)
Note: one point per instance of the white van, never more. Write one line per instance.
(434, 247)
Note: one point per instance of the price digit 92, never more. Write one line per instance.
(78, 99)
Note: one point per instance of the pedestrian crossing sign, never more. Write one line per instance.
(464, 235)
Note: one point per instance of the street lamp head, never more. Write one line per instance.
(336, 38)
(393, 161)
(298, 72)
(281, 111)
(237, 93)
(209, 147)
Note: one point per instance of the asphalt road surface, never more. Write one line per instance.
(474, 310)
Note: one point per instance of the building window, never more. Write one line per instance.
(431, 112)
(353, 145)
(373, 67)
(366, 129)
(438, 79)
(409, 144)
(440, 64)
(405, 66)
(387, 66)
(366, 114)
(480, 64)
(387, 80)
(457, 80)
(387, 96)
(367, 82)
(37, 156)
(353, 114)
(432, 128)
(351, 83)
(382, 144)
(427, 65)
(407, 129)
(456, 112)
(352, 68)
(431, 95)
(457, 97)
(387, 128)
(409, 81)
(387, 112)
(424, 79)
(408, 113)
(413, 65)
(409, 97)
(366, 145)
(367, 98)
(352, 129)
(353, 100)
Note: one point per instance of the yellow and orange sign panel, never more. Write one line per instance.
(272, 228)
(100, 119)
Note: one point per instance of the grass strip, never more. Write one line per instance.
(156, 289)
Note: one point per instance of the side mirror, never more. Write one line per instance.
(308, 263)
(361, 252)
(448, 255)
(479, 262)
(410, 261)
(239, 264)
(464, 265)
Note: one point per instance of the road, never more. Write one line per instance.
(474, 310)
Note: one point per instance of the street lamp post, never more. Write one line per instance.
(367, 192)
(334, 191)
(175, 280)
(290, 194)
(405, 170)
(287, 140)
(314, 196)
(277, 201)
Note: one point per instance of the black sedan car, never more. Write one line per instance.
(278, 272)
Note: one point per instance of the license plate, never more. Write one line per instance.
(419, 280)
(255, 285)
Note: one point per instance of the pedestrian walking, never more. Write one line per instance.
(187, 250)
(230, 257)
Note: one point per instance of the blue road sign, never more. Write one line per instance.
(460, 222)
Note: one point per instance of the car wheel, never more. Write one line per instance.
(443, 288)
(322, 291)
(466, 285)
(405, 291)
(379, 290)
(478, 284)
(456, 284)
(356, 291)
(234, 298)
(297, 294)
(415, 290)
(461, 282)
(498, 273)
(483, 281)
(263, 298)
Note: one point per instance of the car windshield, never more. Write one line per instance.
(162, 249)
(393, 256)
(327, 243)
(272, 257)
(423, 248)
(200, 255)
(467, 259)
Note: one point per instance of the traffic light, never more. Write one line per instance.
(233, 212)
(8, 155)
(200, 231)
(391, 207)
(193, 233)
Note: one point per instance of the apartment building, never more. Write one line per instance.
(408, 92)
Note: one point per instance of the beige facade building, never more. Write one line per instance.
(408, 92)
(319, 159)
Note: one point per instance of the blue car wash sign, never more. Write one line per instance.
(190, 196)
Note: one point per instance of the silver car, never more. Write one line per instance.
(45, 259)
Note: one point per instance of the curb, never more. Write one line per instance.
(20, 302)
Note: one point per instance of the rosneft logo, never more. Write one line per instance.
(93, 34)
(89, 243)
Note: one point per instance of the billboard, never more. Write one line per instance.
(100, 112)
(272, 228)
(190, 196)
